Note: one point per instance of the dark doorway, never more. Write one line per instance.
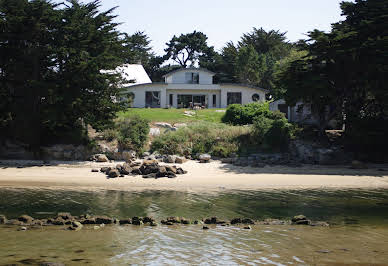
(153, 99)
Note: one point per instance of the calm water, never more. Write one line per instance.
(359, 234)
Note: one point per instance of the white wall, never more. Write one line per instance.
(209, 95)
(246, 94)
(180, 77)
(140, 91)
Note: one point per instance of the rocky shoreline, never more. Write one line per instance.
(75, 223)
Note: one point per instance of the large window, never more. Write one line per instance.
(192, 78)
(153, 99)
(234, 97)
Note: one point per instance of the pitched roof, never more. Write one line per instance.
(189, 68)
(133, 74)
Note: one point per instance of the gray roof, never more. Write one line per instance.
(189, 68)
(244, 85)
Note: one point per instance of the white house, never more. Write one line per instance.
(188, 87)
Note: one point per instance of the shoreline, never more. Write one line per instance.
(210, 177)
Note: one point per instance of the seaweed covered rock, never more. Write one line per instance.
(3, 219)
(300, 220)
(25, 219)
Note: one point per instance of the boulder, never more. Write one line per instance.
(58, 221)
(76, 225)
(180, 171)
(125, 169)
(180, 125)
(204, 158)
(136, 170)
(162, 172)
(128, 155)
(235, 221)
(125, 221)
(154, 131)
(101, 158)
(25, 219)
(300, 220)
(145, 154)
(151, 175)
(65, 215)
(247, 227)
(170, 159)
(95, 171)
(172, 169)
(3, 219)
(247, 221)
(113, 173)
(163, 125)
(213, 220)
(137, 221)
(170, 174)
(88, 220)
(180, 160)
(105, 169)
(103, 220)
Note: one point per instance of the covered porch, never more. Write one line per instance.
(200, 99)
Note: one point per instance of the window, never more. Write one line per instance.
(234, 98)
(153, 99)
(214, 100)
(192, 78)
(255, 97)
(171, 100)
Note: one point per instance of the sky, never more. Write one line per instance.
(222, 20)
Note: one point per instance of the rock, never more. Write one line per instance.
(96, 227)
(137, 221)
(180, 171)
(23, 228)
(163, 125)
(153, 223)
(113, 173)
(95, 171)
(185, 221)
(300, 220)
(3, 219)
(125, 221)
(319, 224)
(205, 227)
(162, 172)
(103, 220)
(89, 220)
(105, 169)
(154, 131)
(151, 175)
(235, 221)
(128, 155)
(125, 169)
(101, 158)
(26, 219)
(65, 215)
(213, 220)
(247, 227)
(358, 165)
(170, 159)
(171, 168)
(180, 160)
(149, 167)
(170, 174)
(145, 154)
(77, 225)
(136, 170)
(204, 158)
(58, 221)
(247, 221)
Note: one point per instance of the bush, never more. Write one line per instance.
(202, 137)
(237, 114)
(133, 133)
(273, 133)
(110, 134)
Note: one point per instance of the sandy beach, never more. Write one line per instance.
(212, 176)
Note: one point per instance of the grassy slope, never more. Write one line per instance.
(173, 115)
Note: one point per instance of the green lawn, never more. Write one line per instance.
(173, 115)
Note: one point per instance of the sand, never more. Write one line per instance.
(214, 176)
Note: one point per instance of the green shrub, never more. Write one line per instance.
(110, 134)
(273, 133)
(133, 133)
(237, 114)
(202, 137)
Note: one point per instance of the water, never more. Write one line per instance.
(359, 234)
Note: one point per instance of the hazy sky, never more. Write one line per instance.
(222, 20)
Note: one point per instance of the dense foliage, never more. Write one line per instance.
(237, 114)
(133, 133)
(344, 74)
(203, 137)
(50, 68)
